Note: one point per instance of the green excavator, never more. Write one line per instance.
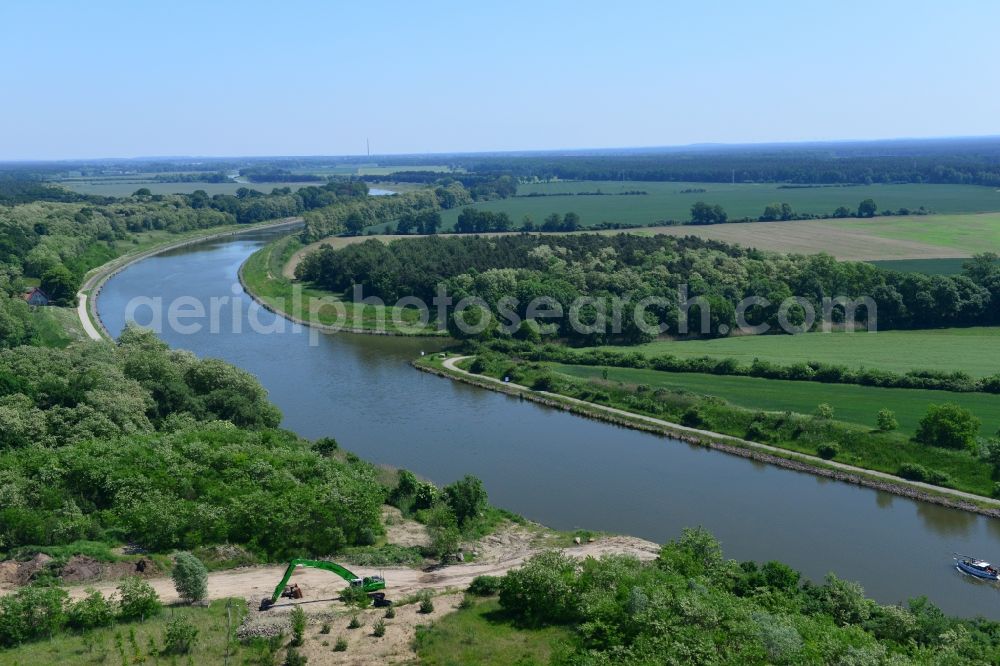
(370, 584)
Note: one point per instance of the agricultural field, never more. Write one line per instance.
(874, 239)
(975, 351)
(670, 201)
(926, 266)
(851, 403)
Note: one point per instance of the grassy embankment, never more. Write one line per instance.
(142, 642)
(484, 634)
(670, 201)
(262, 276)
(975, 350)
(858, 445)
(851, 403)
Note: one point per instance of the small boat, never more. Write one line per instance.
(976, 567)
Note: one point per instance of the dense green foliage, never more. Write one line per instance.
(202, 485)
(633, 268)
(690, 605)
(50, 398)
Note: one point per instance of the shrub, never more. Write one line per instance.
(340, 645)
(692, 417)
(190, 577)
(325, 446)
(543, 383)
(886, 420)
(828, 451)
(90, 612)
(325, 629)
(298, 626)
(180, 637)
(466, 602)
(996, 489)
(354, 623)
(949, 426)
(390, 612)
(824, 411)
(355, 596)
(30, 613)
(378, 629)
(541, 590)
(912, 471)
(485, 586)
(295, 658)
(426, 602)
(467, 498)
(137, 599)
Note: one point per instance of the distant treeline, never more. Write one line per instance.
(200, 177)
(273, 175)
(480, 186)
(954, 161)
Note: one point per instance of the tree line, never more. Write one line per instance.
(630, 268)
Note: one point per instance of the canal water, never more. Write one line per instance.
(558, 469)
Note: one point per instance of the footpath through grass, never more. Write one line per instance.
(975, 351)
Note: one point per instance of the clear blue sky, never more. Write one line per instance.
(103, 79)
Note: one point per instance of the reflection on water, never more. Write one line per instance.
(948, 522)
(560, 469)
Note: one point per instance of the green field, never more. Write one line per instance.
(854, 404)
(926, 266)
(973, 350)
(667, 201)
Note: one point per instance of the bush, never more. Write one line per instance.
(378, 629)
(886, 420)
(31, 613)
(828, 451)
(354, 623)
(325, 629)
(824, 411)
(355, 595)
(295, 658)
(298, 626)
(541, 590)
(137, 599)
(190, 577)
(485, 586)
(340, 645)
(426, 602)
(180, 637)
(996, 489)
(912, 471)
(949, 426)
(543, 383)
(390, 612)
(692, 417)
(90, 612)
(467, 498)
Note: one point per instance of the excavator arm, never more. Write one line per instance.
(368, 584)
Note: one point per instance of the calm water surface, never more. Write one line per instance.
(561, 470)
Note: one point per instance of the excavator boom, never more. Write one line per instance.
(368, 584)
